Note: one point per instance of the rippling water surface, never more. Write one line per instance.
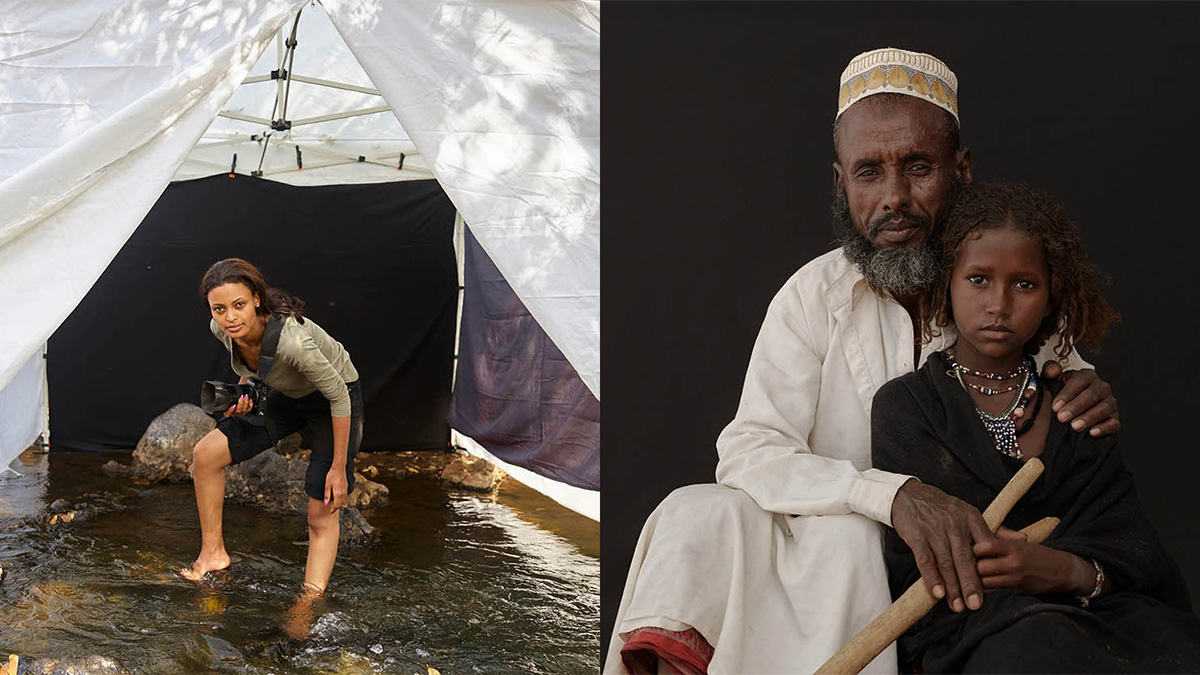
(456, 582)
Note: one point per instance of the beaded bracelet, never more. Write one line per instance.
(1085, 600)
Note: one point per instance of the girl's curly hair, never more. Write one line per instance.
(1077, 312)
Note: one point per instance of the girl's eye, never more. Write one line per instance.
(976, 279)
(1025, 285)
(240, 305)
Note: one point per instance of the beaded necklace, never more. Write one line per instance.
(987, 391)
(1007, 375)
(1002, 427)
(960, 369)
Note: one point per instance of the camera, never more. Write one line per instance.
(216, 397)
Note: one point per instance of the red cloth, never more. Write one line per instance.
(652, 650)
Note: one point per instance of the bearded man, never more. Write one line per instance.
(775, 568)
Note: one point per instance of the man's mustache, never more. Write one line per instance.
(890, 221)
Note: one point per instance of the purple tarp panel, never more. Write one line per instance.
(515, 392)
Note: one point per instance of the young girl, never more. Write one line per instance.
(315, 391)
(1101, 594)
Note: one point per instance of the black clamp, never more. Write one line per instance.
(361, 158)
(281, 125)
(401, 164)
(233, 166)
(280, 74)
(299, 159)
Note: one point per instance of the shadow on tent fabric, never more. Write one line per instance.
(515, 393)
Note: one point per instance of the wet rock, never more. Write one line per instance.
(224, 655)
(354, 528)
(115, 468)
(57, 518)
(86, 507)
(367, 493)
(273, 645)
(269, 481)
(349, 663)
(290, 445)
(164, 452)
(276, 483)
(471, 473)
(370, 471)
(88, 665)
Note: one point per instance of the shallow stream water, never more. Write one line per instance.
(458, 582)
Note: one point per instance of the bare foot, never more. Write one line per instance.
(207, 562)
(300, 617)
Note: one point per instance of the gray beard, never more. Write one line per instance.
(900, 270)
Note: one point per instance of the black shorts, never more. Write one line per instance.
(308, 415)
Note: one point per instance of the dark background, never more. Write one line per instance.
(717, 125)
(374, 263)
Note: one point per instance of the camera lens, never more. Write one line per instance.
(216, 396)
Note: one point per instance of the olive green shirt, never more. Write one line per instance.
(307, 360)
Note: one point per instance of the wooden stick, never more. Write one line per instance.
(1017, 486)
(916, 601)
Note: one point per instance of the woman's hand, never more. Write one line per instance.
(335, 487)
(243, 406)
(1009, 561)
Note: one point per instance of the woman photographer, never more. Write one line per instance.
(314, 390)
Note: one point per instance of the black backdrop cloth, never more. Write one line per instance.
(925, 425)
(515, 393)
(374, 263)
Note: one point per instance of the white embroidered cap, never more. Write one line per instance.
(898, 71)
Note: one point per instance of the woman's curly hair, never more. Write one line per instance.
(1077, 312)
(238, 271)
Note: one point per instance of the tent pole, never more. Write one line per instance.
(461, 264)
(291, 59)
(314, 80)
(340, 115)
(279, 56)
(46, 393)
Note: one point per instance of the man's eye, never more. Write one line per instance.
(868, 173)
(919, 168)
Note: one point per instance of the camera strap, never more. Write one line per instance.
(266, 353)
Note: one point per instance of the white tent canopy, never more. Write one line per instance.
(334, 114)
(102, 103)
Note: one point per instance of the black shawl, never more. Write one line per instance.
(925, 425)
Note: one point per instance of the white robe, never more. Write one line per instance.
(781, 564)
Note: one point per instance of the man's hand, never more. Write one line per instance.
(1010, 561)
(941, 530)
(335, 488)
(1085, 400)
